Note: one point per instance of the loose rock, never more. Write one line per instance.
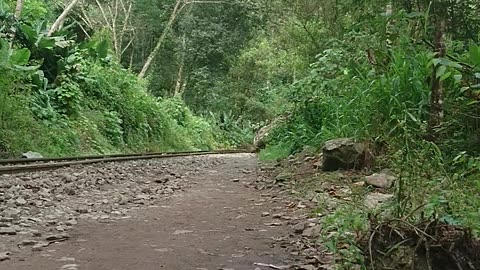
(31, 154)
(283, 177)
(40, 246)
(375, 200)
(300, 227)
(312, 231)
(380, 180)
(4, 256)
(57, 237)
(342, 153)
(8, 231)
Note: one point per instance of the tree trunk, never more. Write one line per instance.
(18, 9)
(178, 7)
(436, 98)
(62, 17)
(179, 84)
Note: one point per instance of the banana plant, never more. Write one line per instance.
(15, 59)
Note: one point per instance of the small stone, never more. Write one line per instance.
(6, 219)
(312, 231)
(163, 250)
(82, 210)
(52, 222)
(31, 154)
(380, 180)
(70, 191)
(235, 180)
(307, 267)
(277, 216)
(68, 178)
(8, 231)
(71, 222)
(57, 237)
(282, 177)
(163, 180)
(122, 200)
(20, 201)
(28, 242)
(273, 224)
(265, 214)
(4, 256)
(299, 228)
(177, 232)
(70, 267)
(375, 200)
(66, 259)
(40, 246)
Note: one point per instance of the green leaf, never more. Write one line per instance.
(20, 57)
(102, 49)
(87, 45)
(415, 15)
(414, 119)
(26, 68)
(39, 79)
(464, 89)
(474, 52)
(449, 63)
(458, 77)
(4, 52)
(440, 71)
(29, 33)
(445, 76)
(436, 61)
(71, 59)
(63, 43)
(472, 103)
(46, 43)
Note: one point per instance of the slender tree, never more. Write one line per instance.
(179, 6)
(18, 9)
(436, 97)
(59, 21)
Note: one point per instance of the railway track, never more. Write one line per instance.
(9, 166)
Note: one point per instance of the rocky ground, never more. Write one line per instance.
(204, 212)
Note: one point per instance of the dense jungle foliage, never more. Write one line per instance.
(131, 75)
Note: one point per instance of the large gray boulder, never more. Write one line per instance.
(343, 153)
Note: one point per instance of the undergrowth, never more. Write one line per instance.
(360, 87)
(64, 95)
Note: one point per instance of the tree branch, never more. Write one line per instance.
(61, 18)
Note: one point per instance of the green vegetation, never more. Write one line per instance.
(144, 75)
(63, 94)
(372, 71)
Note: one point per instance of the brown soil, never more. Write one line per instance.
(217, 223)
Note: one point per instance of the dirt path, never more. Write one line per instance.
(217, 223)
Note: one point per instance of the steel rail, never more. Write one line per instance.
(52, 163)
(53, 159)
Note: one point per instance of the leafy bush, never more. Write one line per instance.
(78, 101)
